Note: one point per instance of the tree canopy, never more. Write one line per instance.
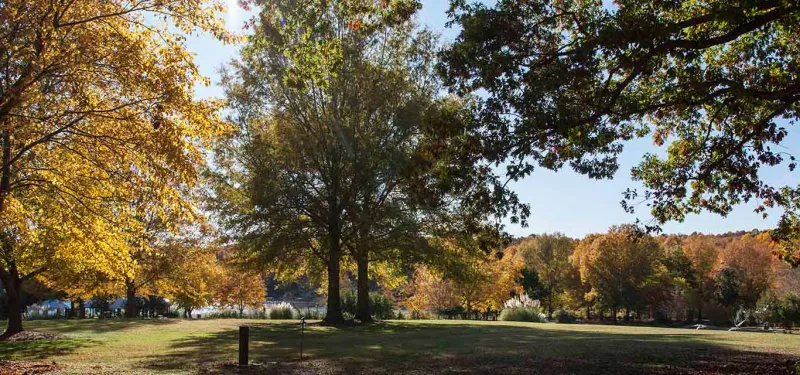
(548, 256)
(712, 82)
(96, 105)
(346, 148)
(620, 266)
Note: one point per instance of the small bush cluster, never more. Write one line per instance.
(523, 314)
(564, 316)
(282, 311)
(349, 304)
(234, 314)
(381, 307)
(313, 314)
(522, 309)
(783, 312)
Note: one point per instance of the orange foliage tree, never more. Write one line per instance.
(750, 260)
(240, 289)
(481, 284)
(429, 291)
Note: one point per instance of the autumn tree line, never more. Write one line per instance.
(350, 137)
(622, 274)
(174, 279)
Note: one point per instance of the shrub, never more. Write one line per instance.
(312, 313)
(231, 313)
(349, 304)
(523, 314)
(522, 309)
(380, 306)
(783, 312)
(564, 316)
(281, 311)
(789, 312)
(221, 314)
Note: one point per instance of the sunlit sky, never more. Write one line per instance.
(561, 201)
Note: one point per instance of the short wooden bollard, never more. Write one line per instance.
(244, 345)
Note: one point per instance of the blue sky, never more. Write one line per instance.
(561, 201)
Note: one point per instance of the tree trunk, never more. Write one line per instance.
(81, 309)
(130, 299)
(550, 306)
(334, 314)
(363, 313)
(13, 286)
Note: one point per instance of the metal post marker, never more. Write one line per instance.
(302, 332)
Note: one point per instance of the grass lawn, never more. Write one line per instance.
(209, 346)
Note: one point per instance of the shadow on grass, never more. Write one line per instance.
(436, 348)
(95, 326)
(42, 349)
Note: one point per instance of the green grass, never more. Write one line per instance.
(183, 346)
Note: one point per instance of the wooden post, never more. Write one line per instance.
(244, 345)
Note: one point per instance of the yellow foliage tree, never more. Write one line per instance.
(481, 284)
(96, 103)
(504, 272)
(548, 256)
(195, 281)
(621, 266)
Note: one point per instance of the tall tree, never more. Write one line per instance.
(746, 271)
(568, 82)
(293, 92)
(95, 102)
(703, 253)
(620, 266)
(163, 241)
(548, 255)
(344, 141)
